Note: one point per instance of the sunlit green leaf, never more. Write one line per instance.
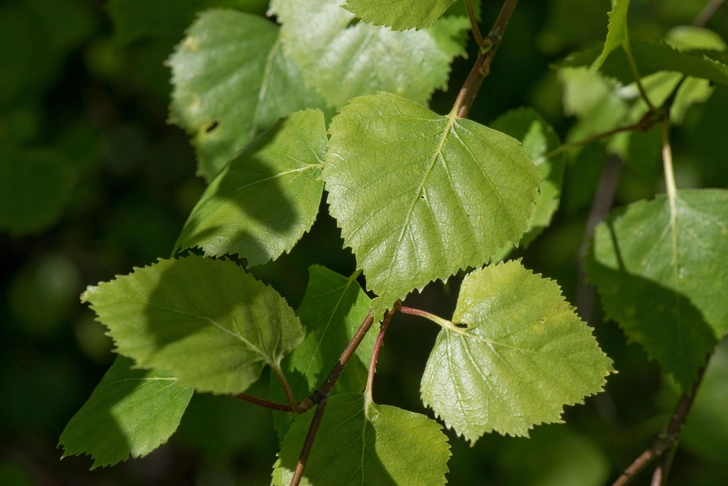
(419, 196)
(231, 81)
(664, 283)
(35, 186)
(519, 357)
(263, 202)
(131, 411)
(332, 310)
(208, 321)
(344, 60)
(399, 14)
(360, 442)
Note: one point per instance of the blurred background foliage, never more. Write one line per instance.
(93, 181)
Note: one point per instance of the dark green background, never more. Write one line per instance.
(95, 94)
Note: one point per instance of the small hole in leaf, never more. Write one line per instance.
(461, 325)
(212, 126)
(422, 196)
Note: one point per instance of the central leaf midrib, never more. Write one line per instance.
(446, 131)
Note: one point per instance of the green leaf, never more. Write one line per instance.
(664, 283)
(617, 33)
(263, 202)
(519, 357)
(399, 14)
(360, 442)
(652, 57)
(332, 310)
(35, 187)
(208, 321)
(232, 81)
(131, 411)
(343, 60)
(419, 196)
(138, 19)
(538, 138)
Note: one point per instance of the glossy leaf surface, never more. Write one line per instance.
(419, 196)
(360, 442)
(522, 355)
(664, 283)
(208, 321)
(131, 411)
(263, 202)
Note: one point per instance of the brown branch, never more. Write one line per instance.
(321, 395)
(704, 16)
(481, 68)
(281, 407)
(308, 443)
(377, 347)
(474, 24)
(665, 444)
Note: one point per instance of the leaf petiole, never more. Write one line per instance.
(444, 323)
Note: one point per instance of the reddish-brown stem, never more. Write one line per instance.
(281, 407)
(308, 443)
(321, 395)
(665, 444)
(481, 68)
(474, 24)
(377, 347)
(330, 381)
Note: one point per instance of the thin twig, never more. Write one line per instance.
(665, 444)
(481, 68)
(637, 77)
(601, 205)
(377, 347)
(590, 139)
(321, 395)
(677, 423)
(704, 16)
(308, 443)
(281, 407)
(474, 24)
